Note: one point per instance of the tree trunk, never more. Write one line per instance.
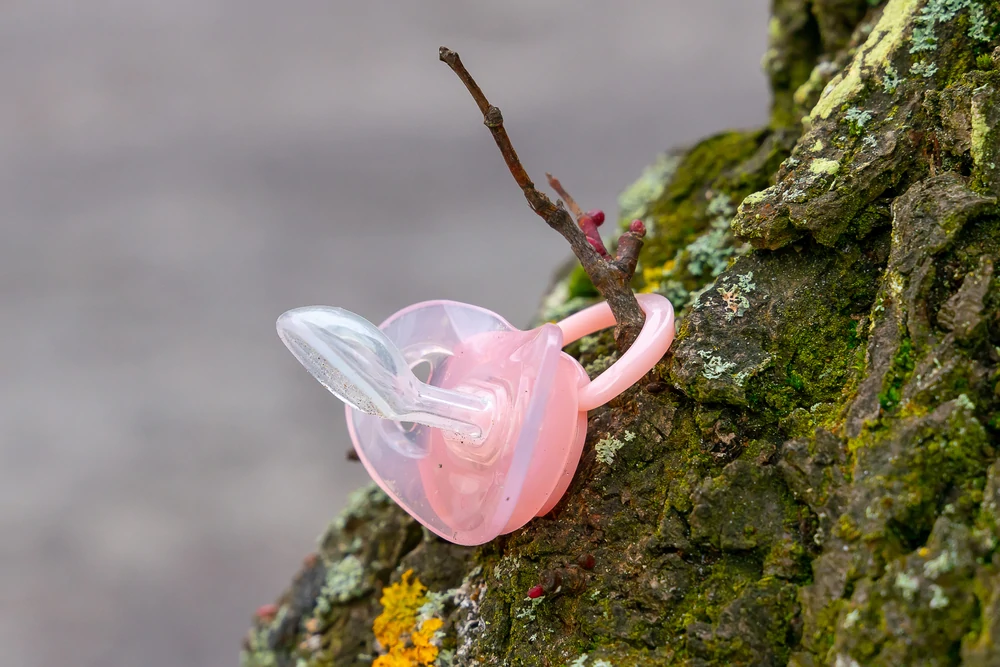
(810, 475)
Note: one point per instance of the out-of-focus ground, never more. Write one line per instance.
(174, 175)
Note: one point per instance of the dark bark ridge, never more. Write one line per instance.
(811, 476)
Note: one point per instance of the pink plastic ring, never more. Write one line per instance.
(653, 342)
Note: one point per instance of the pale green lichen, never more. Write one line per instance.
(940, 565)
(607, 448)
(434, 607)
(979, 25)
(579, 662)
(924, 69)
(720, 206)
(713, 249)
(757, 197)
(939, 599)
(963, 401)
(528, 612)
(359, 502)
(343, 582)
(924, 37)
(822, 165)
(907, 585)
(714, 366)
(853, 617)
(588, 343)
(857, 119)
(891, 79)
(817, 147)
(635, 201)
(981, 130)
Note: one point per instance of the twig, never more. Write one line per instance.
(571, 204)
(610, 277)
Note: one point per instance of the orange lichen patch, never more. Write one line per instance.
(406, 645)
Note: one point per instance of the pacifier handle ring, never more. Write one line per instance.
(653, 342)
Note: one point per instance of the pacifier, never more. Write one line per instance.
(493, 436)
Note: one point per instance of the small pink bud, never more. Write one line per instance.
(589, 227)
(636, 227)
(598, 216)
(266, 612)
(535, 592)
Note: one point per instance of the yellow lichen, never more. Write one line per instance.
(406, 645)
(885, 38)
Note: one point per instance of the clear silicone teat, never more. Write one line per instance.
(360, 366)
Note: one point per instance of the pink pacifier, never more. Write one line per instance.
(493, 437)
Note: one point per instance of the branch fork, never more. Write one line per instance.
(611, 276)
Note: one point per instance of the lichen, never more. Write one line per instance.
(634, 202)
(907, 585)
(826, 166)
(344, 580)
(924, 68)
(607, 448)
(891, 79)
(358, 504)
(692, 242)
(713, 249)
(407, 641)
(935, 12)
(714, 366)
(857, 119)
(734, 296)
(885, 37)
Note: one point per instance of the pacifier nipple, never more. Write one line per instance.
(352, 358)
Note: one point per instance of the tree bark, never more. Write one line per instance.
(810, 476)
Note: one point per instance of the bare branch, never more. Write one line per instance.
(612, 278)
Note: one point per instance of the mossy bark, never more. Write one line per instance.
(810, 475)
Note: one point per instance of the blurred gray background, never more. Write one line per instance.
(174, 175)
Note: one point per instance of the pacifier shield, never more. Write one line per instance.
(465, 489)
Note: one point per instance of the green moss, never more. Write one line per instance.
(725, 580)
(902, 366)
(635, 200)
(690, 242)
(580, 285)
